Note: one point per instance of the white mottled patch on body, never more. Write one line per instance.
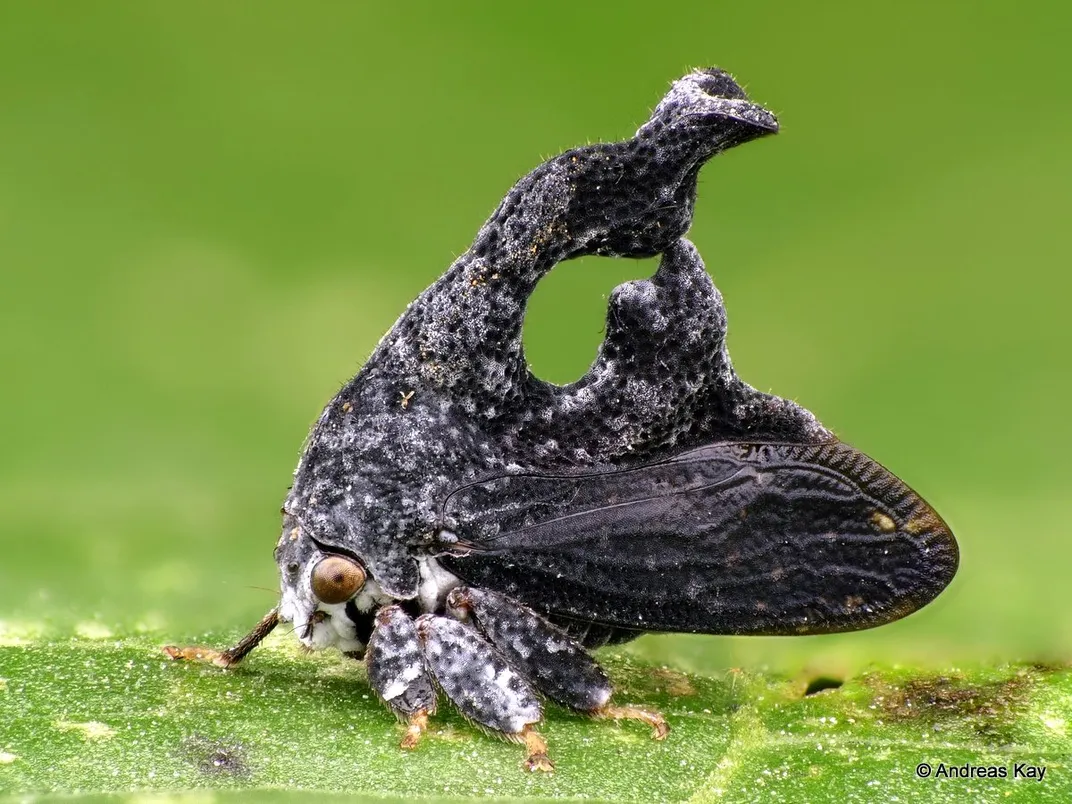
(320, 636)
(291, 609)
(524, 717)
(558, 645)
(408, 674)
(370, 596)
(396, 688)
(337, 631)
(436, 583)
(503, 679)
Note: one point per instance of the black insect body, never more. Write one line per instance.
(468, 528)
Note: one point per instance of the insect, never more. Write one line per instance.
(471, 532)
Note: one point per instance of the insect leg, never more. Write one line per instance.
(556, 663)
(483, 685)
(397, 672)
(232, 656)
(659, 727)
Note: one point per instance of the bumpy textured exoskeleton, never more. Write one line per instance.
(427, 526)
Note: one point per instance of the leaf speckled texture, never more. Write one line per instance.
(112, 715)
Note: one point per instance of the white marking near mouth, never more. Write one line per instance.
(337, 630)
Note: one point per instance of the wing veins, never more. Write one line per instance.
(600, 508)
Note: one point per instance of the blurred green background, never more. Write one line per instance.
(210, 212)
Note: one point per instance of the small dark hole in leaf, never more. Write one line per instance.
(217, 758)
(822, 683)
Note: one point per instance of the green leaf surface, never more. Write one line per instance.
(106, 715)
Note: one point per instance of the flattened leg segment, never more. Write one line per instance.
(476, 677)
(397, 672)
(556, 663)
(559, 667)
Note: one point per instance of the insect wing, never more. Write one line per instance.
(730, 538)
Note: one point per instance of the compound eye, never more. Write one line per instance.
(337, 579)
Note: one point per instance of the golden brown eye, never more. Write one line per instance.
(337, 579)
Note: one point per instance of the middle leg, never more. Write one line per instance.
(556, 663)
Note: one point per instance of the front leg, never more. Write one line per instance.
(556, 663)
(397, 672)
(232, 656)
